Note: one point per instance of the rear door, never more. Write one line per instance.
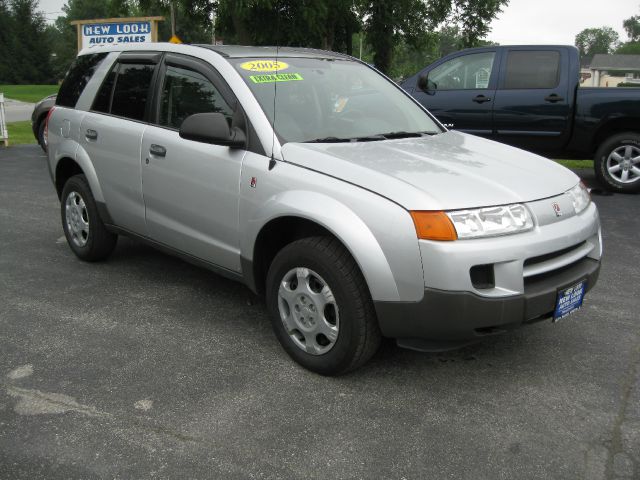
(464, 89)
(191, 189)
(533, 105)
(111, 134)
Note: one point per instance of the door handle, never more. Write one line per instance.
(157, 150)
(553, 98)
(91, 134)
(481, 99)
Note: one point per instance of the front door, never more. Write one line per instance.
(191, 189)
(462, 91)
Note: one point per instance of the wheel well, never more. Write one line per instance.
(41, 118)
(613, 127)
(273, 237)
(65, 169)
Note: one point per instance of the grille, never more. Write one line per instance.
(555, 262)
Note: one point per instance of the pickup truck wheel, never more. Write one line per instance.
(320, 306)
(617, 163)
(86, 234)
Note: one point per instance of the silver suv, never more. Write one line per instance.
(317, 182)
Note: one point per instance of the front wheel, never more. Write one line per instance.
(617, 163)
(320, 306)
(86, 234)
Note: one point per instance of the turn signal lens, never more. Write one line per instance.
(432, 225)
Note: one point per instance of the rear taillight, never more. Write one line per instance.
(46, 125)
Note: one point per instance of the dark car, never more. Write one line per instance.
(529, 97)
(38, 119)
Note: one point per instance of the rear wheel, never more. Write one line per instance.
(86, 234)
(320, 306)
(617, 163)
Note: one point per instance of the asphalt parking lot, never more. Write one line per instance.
(147, 367)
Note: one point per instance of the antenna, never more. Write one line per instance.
(272, 161)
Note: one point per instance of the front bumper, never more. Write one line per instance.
(444, 319)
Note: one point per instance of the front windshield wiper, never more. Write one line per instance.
(368, 138)
(402, 134)
(372, 138)
(328, 140)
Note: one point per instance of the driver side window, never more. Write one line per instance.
(185, 92)
(469, 72)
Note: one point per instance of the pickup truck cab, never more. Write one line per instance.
(529, 97)
(322, 185)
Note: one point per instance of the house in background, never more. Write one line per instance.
(610, 70)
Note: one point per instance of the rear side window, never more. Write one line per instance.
(133, 82)
(81, 71)
(532, 69)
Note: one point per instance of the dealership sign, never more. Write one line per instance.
(116, 31)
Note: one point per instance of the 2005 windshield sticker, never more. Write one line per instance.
(276, 77)
(264, 66)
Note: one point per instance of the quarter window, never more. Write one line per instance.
(532, 69)
(77, 78)
(469, 72)
(131, 90)
(186, 92)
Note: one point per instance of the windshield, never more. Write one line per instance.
(331, 100)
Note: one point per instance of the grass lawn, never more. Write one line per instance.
(576, 163)
(28, 93)
(20, 133)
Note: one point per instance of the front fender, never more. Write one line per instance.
(340, 220)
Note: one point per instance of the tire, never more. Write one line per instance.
(86, 235)
(42, 140)
(329, 332)
(615, 164)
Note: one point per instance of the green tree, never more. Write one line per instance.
(629, 48)
(29, 43)
(193, 18)
(327, 24)
(389, 22)
(474, 19)
(6, 43)
(591, 41)
(632, 27)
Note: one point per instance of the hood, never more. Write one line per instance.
(448, 171)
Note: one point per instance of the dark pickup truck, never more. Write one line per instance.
(529, 97)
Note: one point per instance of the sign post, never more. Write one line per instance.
(116, 31)
(4, 135)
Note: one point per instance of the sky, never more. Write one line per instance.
(525, 21)
(558, 21)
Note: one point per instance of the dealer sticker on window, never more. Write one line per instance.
(569, 300)
(276, 77)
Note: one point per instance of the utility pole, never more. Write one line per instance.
(173, 18)
(213, 27)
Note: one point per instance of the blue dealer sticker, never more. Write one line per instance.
(569, 300)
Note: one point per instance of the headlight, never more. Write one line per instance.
(491, 221)
(580, 197)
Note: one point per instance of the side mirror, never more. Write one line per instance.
(212, 128)
(427, 86)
